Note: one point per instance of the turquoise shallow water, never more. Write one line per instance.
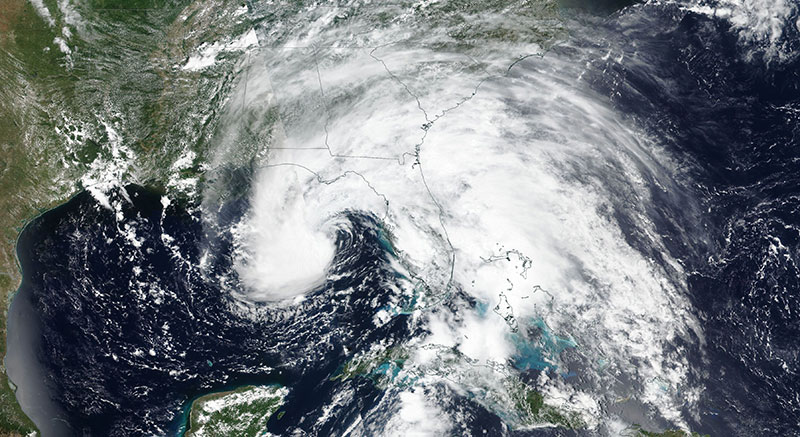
(149, 354)
(541, 349)
(728, 119)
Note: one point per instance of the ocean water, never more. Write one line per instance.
(611, 219)
(126, 343)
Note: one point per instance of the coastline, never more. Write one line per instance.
(15, 422)
(189, 407)
(28, 389)
(17, 388)
(188, 416)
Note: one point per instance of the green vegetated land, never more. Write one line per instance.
(100, 86)
(26, 173)
(94, 88)
(241, 412)
(383, 366)
(668, 433)
(529, 402)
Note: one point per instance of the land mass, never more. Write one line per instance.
(94, 95)
(243, 411)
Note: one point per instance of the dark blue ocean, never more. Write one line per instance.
(94, 299)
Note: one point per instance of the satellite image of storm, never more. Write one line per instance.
(240, 218)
